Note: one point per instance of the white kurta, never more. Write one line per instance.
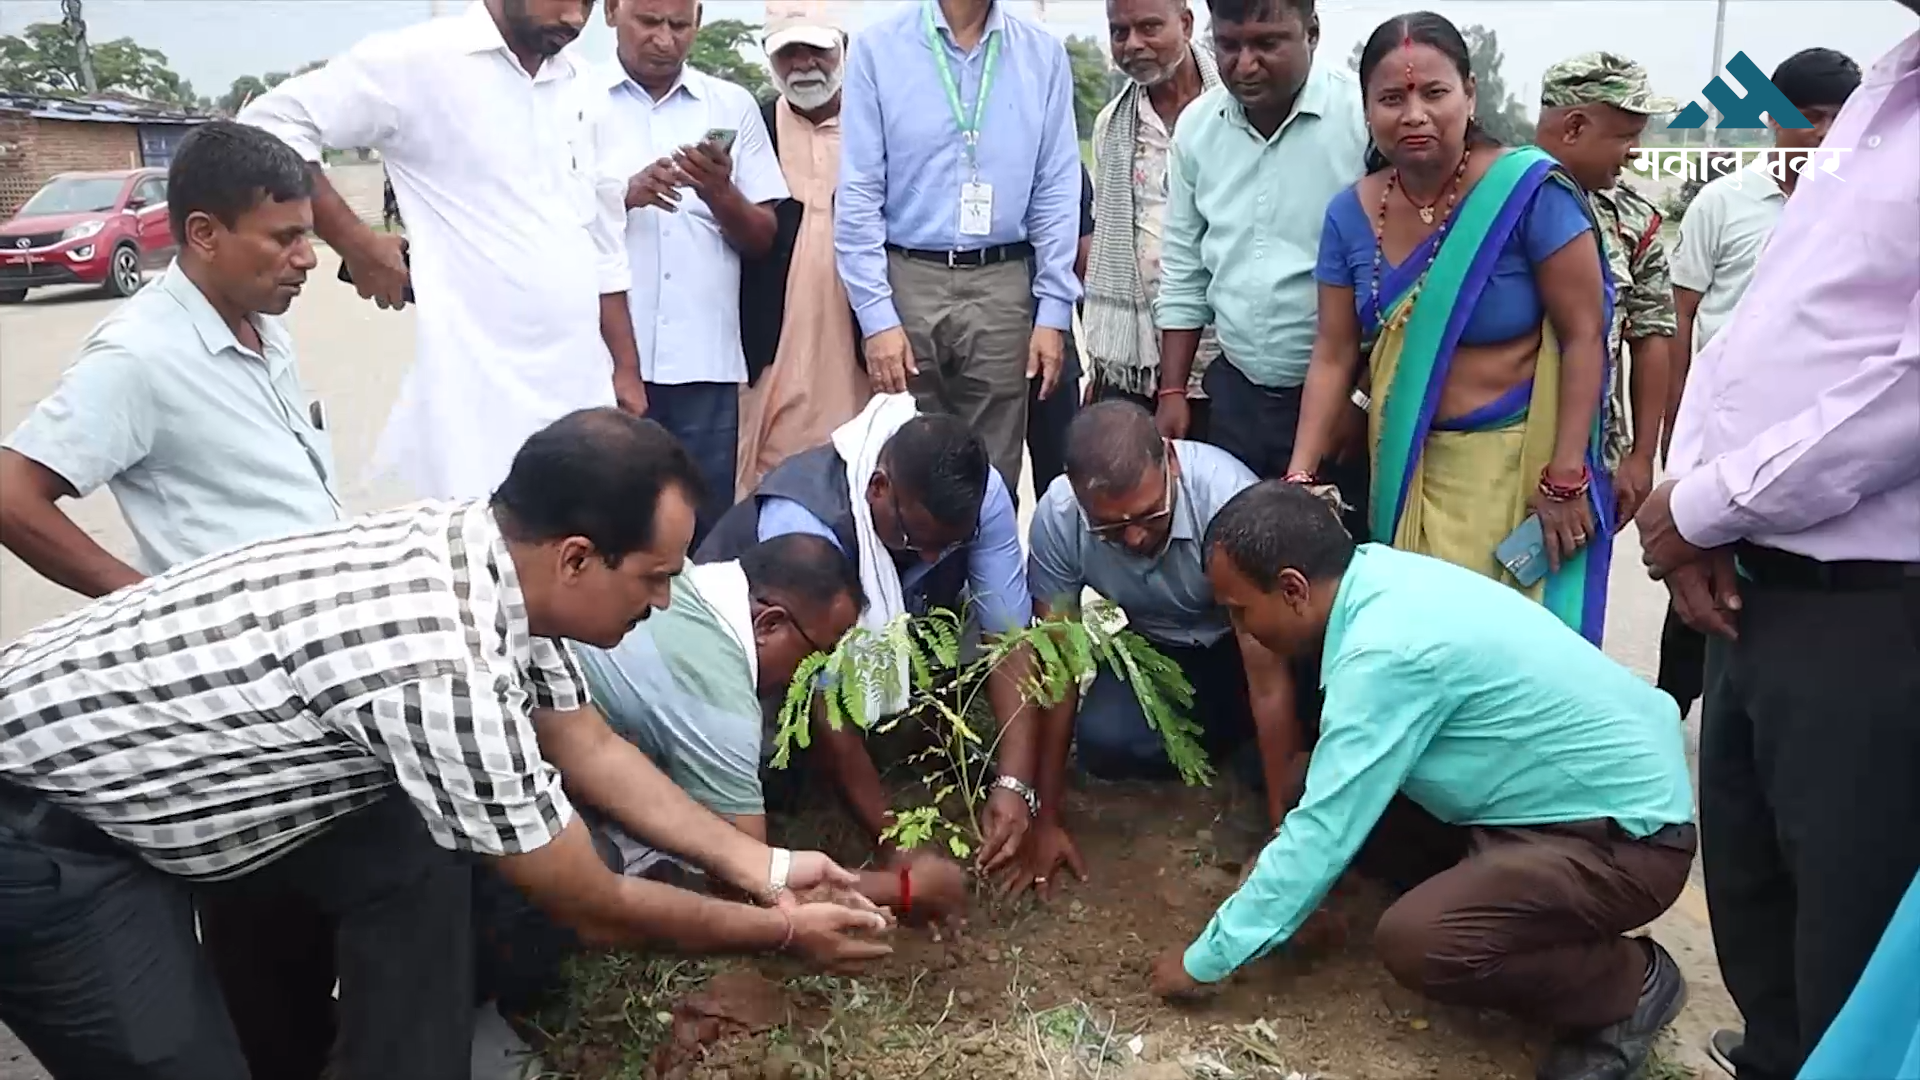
(514, 233)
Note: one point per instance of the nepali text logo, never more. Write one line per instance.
(1742, 112)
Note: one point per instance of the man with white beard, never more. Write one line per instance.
(1152, 41)
(797, 327)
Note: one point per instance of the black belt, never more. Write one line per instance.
(992, 256)
(1772, 568)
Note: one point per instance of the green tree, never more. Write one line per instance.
(1501, 114)
(1090, 81)
(244, 89)
(43, 59)
(716, 51)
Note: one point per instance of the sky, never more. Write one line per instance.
(212, 42)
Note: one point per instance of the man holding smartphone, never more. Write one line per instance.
(705, 180)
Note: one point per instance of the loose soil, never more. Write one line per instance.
(1058, 989)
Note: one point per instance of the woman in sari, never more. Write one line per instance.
(1473, 276)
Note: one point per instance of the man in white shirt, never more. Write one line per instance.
(485, 123)
(705, 181)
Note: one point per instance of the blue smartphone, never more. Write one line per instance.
(1524, 552)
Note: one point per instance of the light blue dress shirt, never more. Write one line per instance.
(996, 569)
(205, 443)
(1167, 598)
(1244, 214)
(1476, 703)
(902, 159)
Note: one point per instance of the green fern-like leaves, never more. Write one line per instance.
(919, 657)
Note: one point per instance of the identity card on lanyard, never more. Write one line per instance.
(976, 196)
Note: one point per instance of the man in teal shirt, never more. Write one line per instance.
(1557, 778)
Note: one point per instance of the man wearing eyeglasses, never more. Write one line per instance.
(913, 503)
(685, 686)
(1127, 521)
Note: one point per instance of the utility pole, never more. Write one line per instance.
(1719, 49)
(76, 27)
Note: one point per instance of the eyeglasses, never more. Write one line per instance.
(1111, 530)
(812, 645)
(906, 535)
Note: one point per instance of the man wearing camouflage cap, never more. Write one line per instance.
(1593, 109)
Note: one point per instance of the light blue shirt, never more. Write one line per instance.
(902, 160)
(1244, 214)
(205, 444)
(1476, 703)
(1167, 598)
(996, 569)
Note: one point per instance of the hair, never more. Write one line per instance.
(1812, 78)
(1274, 526)
(226, 169)
(597, 473)
(1419, 28)
(938, 462)
(1111, 445)
(1246, 11)
(804, 569)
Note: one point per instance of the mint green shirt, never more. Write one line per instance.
(1244, 214)
(1476, 703)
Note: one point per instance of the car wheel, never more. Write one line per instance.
(123, 277)
(12, 296)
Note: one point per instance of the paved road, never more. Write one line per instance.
(353, 355)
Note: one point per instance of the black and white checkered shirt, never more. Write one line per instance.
(219, 714)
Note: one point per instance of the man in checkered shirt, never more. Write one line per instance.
(350, 715)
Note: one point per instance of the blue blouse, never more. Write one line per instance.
(1510, 305)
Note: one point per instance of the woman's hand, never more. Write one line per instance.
(1565, 526)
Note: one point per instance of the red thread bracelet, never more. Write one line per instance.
(1169, 392)
(788, 940)
(906, 893)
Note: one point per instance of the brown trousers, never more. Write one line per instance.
(1528, 921)
(969, 328)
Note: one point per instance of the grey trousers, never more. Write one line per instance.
(969, 328)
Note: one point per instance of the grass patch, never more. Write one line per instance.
(617, 1010)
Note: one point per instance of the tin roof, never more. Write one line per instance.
(102, 109)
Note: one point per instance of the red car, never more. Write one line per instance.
(95, 228)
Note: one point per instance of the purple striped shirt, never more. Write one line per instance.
(1800, 425)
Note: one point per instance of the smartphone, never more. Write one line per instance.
(1524, 552)
(723, 136)
(406, 256)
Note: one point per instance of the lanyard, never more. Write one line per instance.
(969, 132)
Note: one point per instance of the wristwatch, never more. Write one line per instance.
(1024, 790)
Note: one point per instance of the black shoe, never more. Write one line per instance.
(1721, 1046)
(1619, 1051)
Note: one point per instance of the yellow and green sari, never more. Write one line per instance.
(1455, 489)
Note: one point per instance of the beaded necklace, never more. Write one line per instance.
(1426, 216)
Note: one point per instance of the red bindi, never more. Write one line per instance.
(1406, 47)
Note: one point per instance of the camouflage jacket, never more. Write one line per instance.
(1643, 298)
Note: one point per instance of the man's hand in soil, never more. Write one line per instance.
(1049, 851)
(1005, 825)
(939, 890)
(833, 935)
(1170, 978)
(812, 870)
